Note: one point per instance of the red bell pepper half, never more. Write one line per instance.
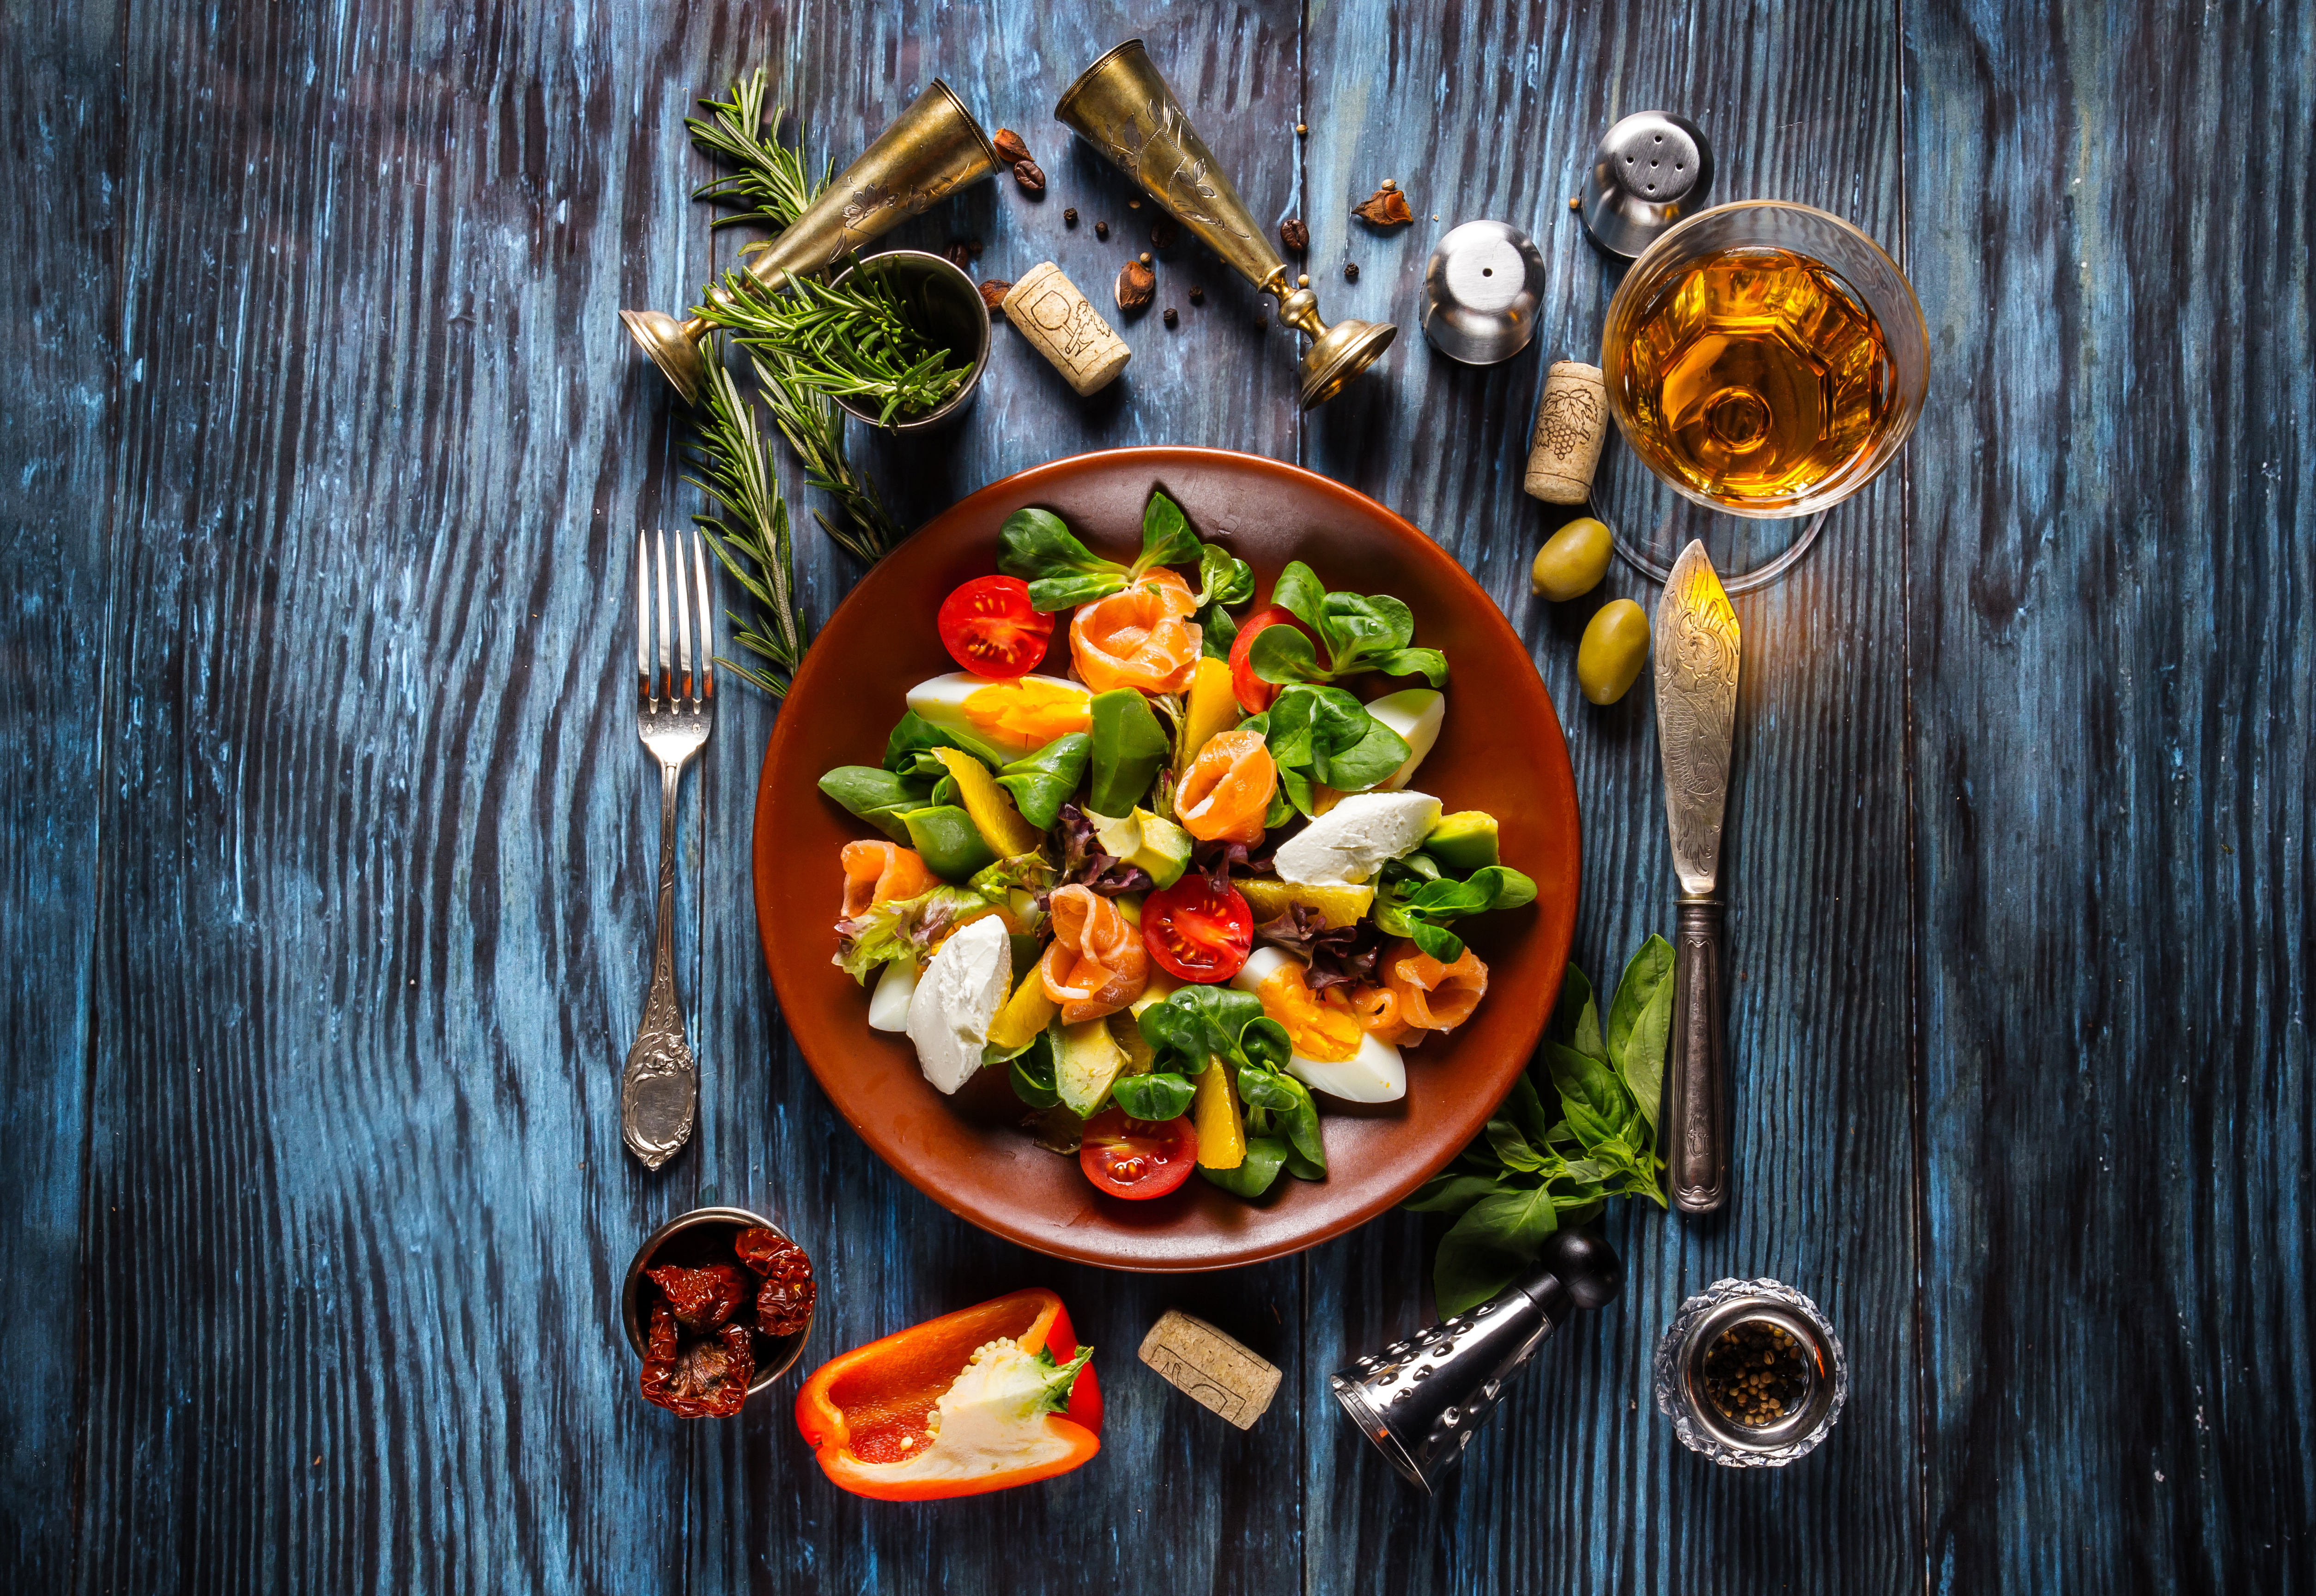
(982, 1399)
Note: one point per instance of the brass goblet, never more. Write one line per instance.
(931, 150)
(1123, 107)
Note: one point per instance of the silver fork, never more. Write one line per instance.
(676, 710)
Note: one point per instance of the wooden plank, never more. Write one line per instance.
(1491, 111)
(378, 913)
(1180, 1499)
(2111, 637)
(56, 430)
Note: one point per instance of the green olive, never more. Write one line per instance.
(1615, 646)
(1571, 562)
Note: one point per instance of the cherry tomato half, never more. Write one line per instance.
(1195, 933)
(1254, 694)
(1138, 1158)
(989, 629)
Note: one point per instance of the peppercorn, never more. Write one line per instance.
(1070, 217)
(1755, 1373)
(1198, 295)
(1171, 317)
(1102, 229)
(1163, 232)
(1350, 271)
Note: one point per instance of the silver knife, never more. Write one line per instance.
(1697, 719)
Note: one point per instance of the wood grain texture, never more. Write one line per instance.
(2112, 627)
(1577, 1483)
(325, 899)
(58, 412)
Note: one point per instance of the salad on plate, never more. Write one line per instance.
(1186, 891)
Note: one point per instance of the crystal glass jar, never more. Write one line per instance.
(1811, 1370)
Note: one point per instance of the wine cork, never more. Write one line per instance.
(1572, 420)
(1210, 1368)
(1066, 328)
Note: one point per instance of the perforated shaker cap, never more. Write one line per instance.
(1650, 170)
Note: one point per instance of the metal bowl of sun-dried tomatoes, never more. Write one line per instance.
(717, 1302)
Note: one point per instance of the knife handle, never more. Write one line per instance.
(1696, 1114)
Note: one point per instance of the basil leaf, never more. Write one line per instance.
(1575, 1000)
(1032, 1074)
(1265, 1156)
(913, 736)
(1217, 631)
(1592, 1095)
(875, 795)
(1379, 752)
(1036, 544)
(1300, 592)
(1359, 627)
(1486, 1250)
(1437, 941)
(1512, 1149)
(1426, 662)
(1166, 535)
(1280, 653)
(1048, 594)
(1264, 1043)
(1525, 1108)
(1158, 1096)
(1223, 577)
(1302, 1168)
(1042, 782)
(1449, 1193)
(1640, 1025)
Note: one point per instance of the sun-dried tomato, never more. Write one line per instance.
(784, 1303)
(702, 1297)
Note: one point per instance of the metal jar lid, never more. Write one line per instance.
(1480, 289)
(1652, 169)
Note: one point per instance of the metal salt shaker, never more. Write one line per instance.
(1421, 1400)
(1650, 170)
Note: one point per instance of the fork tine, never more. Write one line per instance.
(682, 684)
(663, 617)
(643, 618)
(707, 621)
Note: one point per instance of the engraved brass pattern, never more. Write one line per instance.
(1696, 658)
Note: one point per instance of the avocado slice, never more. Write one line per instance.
(1151, 843)
(1087, 1062)
(1464, 841)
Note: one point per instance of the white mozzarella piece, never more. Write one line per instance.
(1345, 846)
(1374, 1074)
(1415, 713)
(956, 998)
(888, 1004)
(943, 702)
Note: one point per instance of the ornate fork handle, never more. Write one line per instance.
(659, 1093)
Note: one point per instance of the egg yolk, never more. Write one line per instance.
(1322, 1031)
(1033, 712)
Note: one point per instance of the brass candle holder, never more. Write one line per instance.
(931, 150)
(1123, 107)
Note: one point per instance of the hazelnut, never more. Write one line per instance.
(993, 291)
(1009, 147)
(1293, 235)
(1027, 174)
(1137, 285)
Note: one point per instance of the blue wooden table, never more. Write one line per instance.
(325, 886)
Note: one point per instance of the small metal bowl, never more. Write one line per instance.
(1679, 1372)
(705, 1236)
(1480, 289)
(946, 306)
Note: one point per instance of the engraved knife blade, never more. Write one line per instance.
(1696, 716)
(1696, 713)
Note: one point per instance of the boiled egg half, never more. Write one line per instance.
(1003, 720)
(1371, 1072)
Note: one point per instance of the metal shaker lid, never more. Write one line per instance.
(1650, 170)
(1480, 289)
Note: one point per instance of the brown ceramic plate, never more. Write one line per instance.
(1500, 751)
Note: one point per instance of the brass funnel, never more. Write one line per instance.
(931, 150)
(1124, 109)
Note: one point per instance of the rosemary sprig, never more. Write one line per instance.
(848, 340)
(751, 532)
(771, 182)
